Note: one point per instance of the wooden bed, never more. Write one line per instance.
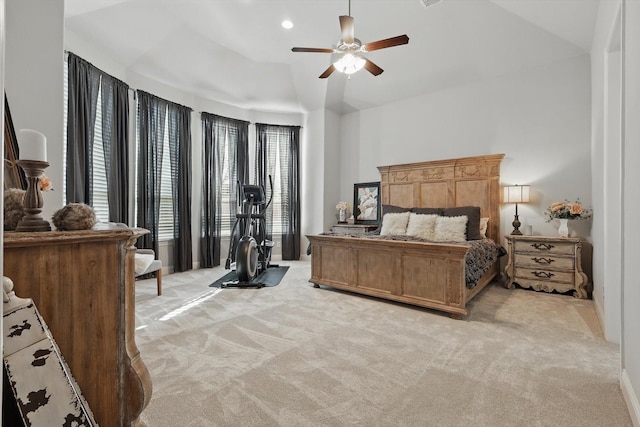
(429, 274)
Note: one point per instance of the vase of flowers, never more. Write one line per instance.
(564, 211)
(342, 212)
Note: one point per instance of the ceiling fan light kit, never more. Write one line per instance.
(351, 50)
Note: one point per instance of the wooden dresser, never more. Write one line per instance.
(546, 264)
(83, 285)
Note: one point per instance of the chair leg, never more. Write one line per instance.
(159, 279)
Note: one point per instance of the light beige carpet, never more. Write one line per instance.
(292, 355)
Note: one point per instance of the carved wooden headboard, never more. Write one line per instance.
(467, 181)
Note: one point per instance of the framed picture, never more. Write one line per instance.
(366, 203)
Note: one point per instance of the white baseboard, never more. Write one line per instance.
(631, 398)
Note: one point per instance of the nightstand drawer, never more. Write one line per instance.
(554, 248)
(545, 275)
(544, 261)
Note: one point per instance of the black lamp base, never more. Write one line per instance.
(516, 226)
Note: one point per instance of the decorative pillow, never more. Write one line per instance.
(473, 215)
(483, 226)
(450, 229)
(395, 223)
(421, 226)
(390, 209)
(427, 211)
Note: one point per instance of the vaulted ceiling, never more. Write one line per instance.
(236, 52)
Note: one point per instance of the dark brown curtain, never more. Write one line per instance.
(218, 131)
(180, 152)
(84, 83)
(152, 112)
(278, 155)
(115, 141)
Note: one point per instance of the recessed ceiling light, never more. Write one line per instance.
(286, 24)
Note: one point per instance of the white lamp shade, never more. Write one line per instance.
(349, 63)
(516, 194)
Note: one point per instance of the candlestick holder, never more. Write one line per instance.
(33, 221)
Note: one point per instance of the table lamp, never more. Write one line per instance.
(516, 194)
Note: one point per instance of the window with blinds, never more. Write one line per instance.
(99, 193)
(278, 144)
(166, 220)
(229, 139)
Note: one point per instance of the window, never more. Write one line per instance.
(278, 157)
(228, 138)
(166, 219)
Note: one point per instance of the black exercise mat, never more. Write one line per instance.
(271, 277)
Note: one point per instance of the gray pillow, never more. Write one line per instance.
(427, 211)
(473, 219)
(393, 209)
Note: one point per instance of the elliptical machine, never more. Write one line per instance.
(252, 251)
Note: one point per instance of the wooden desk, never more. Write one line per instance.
(83, 285)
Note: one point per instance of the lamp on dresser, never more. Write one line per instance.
(516, 194)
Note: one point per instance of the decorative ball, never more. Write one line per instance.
(74, 216)
(13, 208)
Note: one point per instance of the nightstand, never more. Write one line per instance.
(546, 264)
(353, 229)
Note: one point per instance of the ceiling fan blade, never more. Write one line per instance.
(346, 26)
(328, 72)
(312, 49)
(372, 68)
(382, 44)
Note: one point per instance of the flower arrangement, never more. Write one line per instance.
(567, 210)
(45, 183)
(342, 206)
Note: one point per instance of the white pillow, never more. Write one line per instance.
(450, 229)
(394, 223)
(422, 225)
(483, 226)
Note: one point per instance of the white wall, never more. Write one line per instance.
(606, 166)
(540, 118)
(34, 80)
(313, 170)
(631, 202)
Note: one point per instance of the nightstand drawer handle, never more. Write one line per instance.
(543, 260)
(544, 246)
(544, 274)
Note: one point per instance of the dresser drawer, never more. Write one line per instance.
(544, 261)
(554, 248)
(545, 275)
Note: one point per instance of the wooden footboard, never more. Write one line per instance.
(429, 275)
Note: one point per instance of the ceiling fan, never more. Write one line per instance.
(351, 50)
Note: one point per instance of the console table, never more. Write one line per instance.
(546, 264)
(353, 229)
(83, 285)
